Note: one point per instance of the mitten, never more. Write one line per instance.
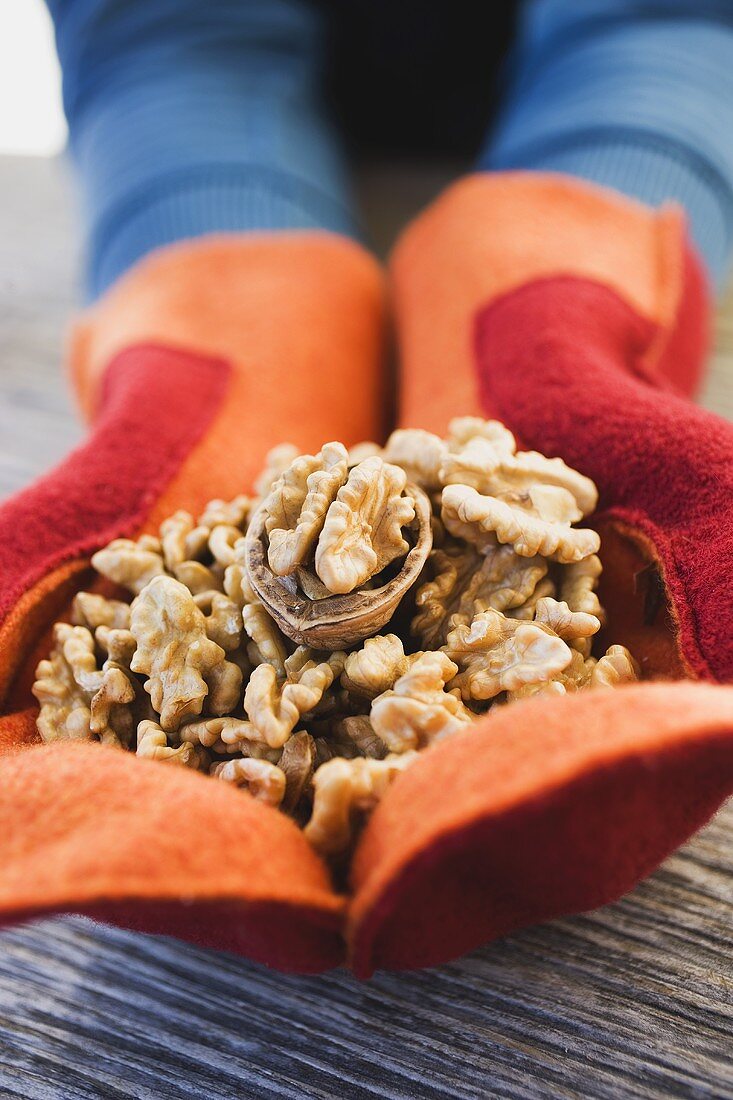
(203, 357)
(578, 318)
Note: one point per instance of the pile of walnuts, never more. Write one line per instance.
(195, 668)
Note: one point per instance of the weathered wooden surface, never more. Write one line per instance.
(633, 1000)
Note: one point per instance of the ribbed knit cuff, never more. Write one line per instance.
(216, 198)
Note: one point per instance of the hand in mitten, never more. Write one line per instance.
(578, 319)
(193, 366)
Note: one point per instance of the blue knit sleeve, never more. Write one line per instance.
(188, 118)
(633, 94)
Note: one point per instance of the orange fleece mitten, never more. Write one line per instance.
(203, 357)
(577, 318)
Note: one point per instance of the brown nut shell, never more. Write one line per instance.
(339, 621)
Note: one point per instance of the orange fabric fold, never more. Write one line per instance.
(89, 829)
(547, 807)
(490, 233)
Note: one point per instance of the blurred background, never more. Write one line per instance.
(32, 120)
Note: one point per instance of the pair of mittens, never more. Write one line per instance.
(576, 317)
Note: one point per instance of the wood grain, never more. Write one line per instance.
(633, 1000)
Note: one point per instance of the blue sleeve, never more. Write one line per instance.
(633, 94)
(189, 117)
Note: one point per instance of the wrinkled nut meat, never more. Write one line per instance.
(362, 529)
(182, 665)
(334, 548)
(306, 644)
(419, 710)
(496, 654)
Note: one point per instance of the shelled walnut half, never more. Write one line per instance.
(334, 548)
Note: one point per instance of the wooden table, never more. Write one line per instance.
(633, 1000)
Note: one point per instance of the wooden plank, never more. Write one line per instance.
(635, 999)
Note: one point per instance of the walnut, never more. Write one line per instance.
(226, 735)
(575, 677)
(276, 463)
(152, 743)
(497, 654)
(266, 642)
(233, 583)
(223, 618)
(109, 705)
(548, 687)
(529, 468)
(222, 541)
(229, 513)
(274, 708)
(130, 564)
(225, 688)
(503, 580)
(360, 451)
(65, 707)
(343, 790)
(77, 646)
(526, 611)
(263, 780)
(297, 505)
(207, 732)
(466, 583)
(326, 749)
(437, 599)
(357, 731)
(104, 692)
(182, 664)
(197, 577)
(181, 539)
(535, 521)
(419, 711)
(617, 666)
(362, 532)
(578, 582)
(504, 608)
(571, 626)
(463, 429)
(310, 585)
(472, 465)
(373, 669)
(419, 453)
(297, 762)
(128, 709)
(118, 644)
(578, 586)
(342, 620)
(92, 611)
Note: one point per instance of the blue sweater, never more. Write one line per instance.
(187, 118)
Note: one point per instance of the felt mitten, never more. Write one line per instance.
(578, 318)
(199, 360)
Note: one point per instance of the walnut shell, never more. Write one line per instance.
(340, 621)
